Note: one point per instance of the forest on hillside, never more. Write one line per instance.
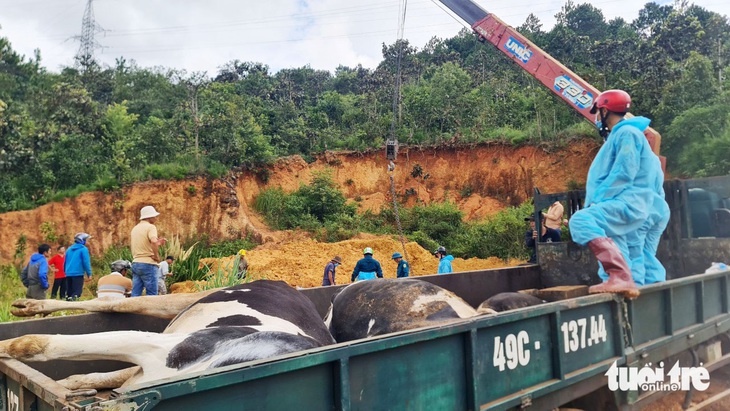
(92, 127)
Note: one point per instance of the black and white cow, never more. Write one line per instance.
(370, 308)
(210, 329)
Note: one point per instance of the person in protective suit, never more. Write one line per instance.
(625, 210)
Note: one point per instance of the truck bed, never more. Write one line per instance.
(542, 356)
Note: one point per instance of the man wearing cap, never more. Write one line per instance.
(145, 247)
(403, 268)
(445, 260)
(625, 211)
(547, 235)
(329, 271)
(76, 264)
(367, 267)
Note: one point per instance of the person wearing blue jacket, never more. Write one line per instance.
(625, 209)
(444, 261)
(367, 268)
(76, 265)
(35, 275)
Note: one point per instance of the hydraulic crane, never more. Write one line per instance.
(569, 86)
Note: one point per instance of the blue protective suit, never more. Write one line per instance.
(625, 201)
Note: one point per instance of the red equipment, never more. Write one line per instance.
(562, 81)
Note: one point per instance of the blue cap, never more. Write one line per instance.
(396, 255)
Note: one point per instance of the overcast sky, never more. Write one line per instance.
(204, 35)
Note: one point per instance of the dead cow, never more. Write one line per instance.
(509, 301)
(370, 308)
(210, 329)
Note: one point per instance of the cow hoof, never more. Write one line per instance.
(26, 307)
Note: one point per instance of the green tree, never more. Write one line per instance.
(695, 86)
(121, 135)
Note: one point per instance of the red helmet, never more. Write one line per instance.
(617, 101)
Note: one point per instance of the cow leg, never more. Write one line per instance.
(162, 306)
(148, 350)
(99, 380)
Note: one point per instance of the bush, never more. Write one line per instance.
(439, 221)
(271, 202)
(216, 169)
(10, 289)
(502, 235)
(423, 240)
(168, 171)
(308, 208)
(507, 134)
(230, 247)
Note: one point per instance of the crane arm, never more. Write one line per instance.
(564, 83)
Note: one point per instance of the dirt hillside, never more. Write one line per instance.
(481, 180)
(301, 263)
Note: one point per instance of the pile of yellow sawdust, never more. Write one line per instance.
(302, 263)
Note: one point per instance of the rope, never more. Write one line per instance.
(628, 335)
(396, 100)
(395, 209)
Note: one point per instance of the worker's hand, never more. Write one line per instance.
(534, 233)
(87, 279)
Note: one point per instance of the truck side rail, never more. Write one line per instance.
(492, 362)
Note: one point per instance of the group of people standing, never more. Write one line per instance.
(72, 267)
(368, 268)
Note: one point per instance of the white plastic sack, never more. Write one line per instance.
(716, 268)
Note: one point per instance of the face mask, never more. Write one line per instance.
(599, 124)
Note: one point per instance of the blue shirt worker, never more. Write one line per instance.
(444, 261)
(625, 210)
(367, 268)
(76, 265)
(403, 268)
(35, 275)
(329, 271)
